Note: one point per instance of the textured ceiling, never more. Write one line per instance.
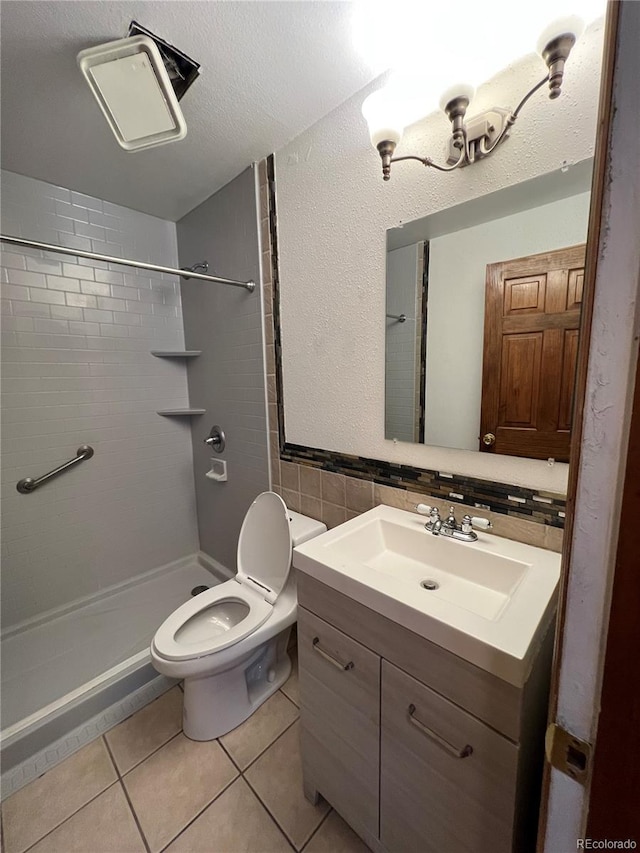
(269, 70)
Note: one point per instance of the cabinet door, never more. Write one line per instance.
(340, 721)
(447, 781)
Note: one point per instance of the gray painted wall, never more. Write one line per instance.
(77, 369)
(228, 378)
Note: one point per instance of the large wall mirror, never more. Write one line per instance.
(482, 314)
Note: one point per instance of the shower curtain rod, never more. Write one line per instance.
(125, 262)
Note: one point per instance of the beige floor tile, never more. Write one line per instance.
(46, 802)
(290, 687)
(335, 836)
(236, 822)
(175, 783)
(277, 778)
(261, 729)
(147, 730)
(105, 825)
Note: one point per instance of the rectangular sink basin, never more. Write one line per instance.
(475, 580)
(489, 601)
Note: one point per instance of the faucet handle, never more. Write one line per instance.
(480, 523)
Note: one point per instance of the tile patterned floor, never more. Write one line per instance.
(144, 788)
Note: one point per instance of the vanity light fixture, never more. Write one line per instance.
(479, 136)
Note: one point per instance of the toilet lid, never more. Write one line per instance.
(264, 546)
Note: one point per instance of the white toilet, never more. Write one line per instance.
(229, 644)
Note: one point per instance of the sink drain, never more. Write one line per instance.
(429, 584)
(198, 589)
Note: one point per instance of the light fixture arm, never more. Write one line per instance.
(510, 120)
(427, 161)
(482, 134)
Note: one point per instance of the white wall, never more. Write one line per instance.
(455, 320)
(77, 370)
(333, 212)
(400, 372)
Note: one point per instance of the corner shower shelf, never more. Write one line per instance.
(188, 353)
(180, 412)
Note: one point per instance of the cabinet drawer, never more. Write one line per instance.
(340, 720)
(448, 782)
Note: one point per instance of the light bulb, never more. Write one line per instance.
(383, 116)
(459, 90)
(569, 25)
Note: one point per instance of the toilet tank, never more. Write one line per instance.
(304, 528)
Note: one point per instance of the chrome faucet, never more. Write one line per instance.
(450, 527)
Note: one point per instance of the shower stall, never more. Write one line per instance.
(113, 372)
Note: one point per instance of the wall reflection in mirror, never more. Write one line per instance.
(482, 314)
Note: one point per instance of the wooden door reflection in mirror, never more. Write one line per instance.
(532, 319)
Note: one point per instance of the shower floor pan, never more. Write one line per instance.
(62, 672)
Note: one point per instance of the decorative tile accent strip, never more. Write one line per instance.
(47, 758)
(527, 504)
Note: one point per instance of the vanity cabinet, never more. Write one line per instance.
(340, 683)
(418, 750)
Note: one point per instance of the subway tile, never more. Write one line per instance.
(13, 261)
(95, 316)
(76, 271)
(50, 297)
(26, 278)
(96, 288)
(30, 309)
(60, 283)
(81, 300)
(14, 291)
(42, 265)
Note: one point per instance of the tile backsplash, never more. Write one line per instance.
(300, 474)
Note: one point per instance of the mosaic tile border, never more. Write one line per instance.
(531, 505)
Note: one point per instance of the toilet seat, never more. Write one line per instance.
(264, 560)
(211, 638)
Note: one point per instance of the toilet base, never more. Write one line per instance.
(218, 703)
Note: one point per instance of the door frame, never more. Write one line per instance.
(605, 379)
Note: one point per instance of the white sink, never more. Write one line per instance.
(489, 601)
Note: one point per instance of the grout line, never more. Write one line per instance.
(316, 830)
(289, 697)
(110, 754)
(260, 754)
(142, 760)
(270, 813)
(135, 817)
(202, 811)
(53, 829)
(229, 756)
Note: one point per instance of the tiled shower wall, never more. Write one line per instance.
(77, 369)
(227, 378)
(334, 498)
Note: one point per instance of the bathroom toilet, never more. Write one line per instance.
(229, 644)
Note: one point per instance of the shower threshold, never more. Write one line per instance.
(69, 677)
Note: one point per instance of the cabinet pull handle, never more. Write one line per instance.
(449, 747)
(337, 663)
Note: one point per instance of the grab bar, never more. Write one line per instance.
(28, 484)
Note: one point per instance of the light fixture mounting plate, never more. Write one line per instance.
(488, 126)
